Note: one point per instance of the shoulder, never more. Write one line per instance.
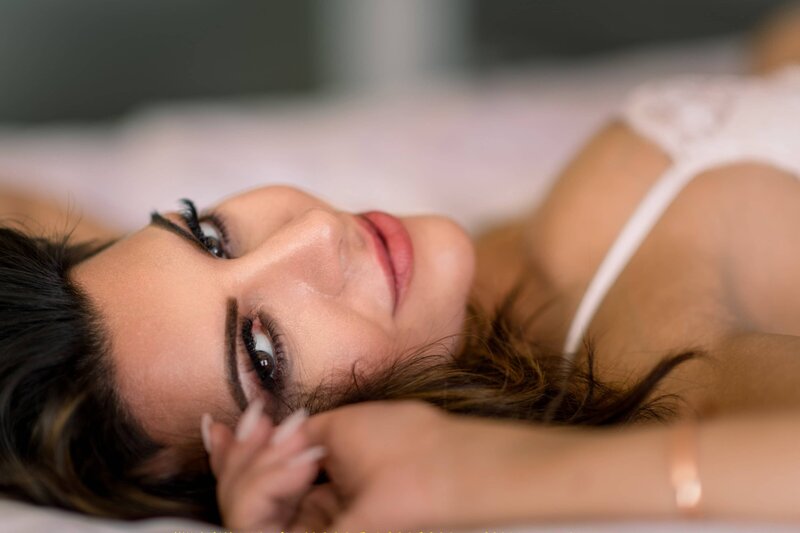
(590, 202)
(46, 217)
(752, 371)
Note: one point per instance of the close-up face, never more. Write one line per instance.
(269, 291)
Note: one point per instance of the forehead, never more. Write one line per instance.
(167, 367)
(164, 305)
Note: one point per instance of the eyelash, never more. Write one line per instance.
(191, 218)
(274, 382)
(271, 382)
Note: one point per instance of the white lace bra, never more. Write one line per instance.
(701, 123)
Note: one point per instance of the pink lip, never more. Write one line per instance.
(394, 251)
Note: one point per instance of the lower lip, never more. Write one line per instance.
(393, 235)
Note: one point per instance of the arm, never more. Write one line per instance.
(748, 467)
(747, 453)
(407, 465)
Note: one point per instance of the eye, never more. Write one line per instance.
(266, 353)
(209, 231)
(263, 354)
(211, 238)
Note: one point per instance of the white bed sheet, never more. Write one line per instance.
(19, 517)
(478, 151)
(473, 150)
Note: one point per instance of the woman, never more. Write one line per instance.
(275, 300)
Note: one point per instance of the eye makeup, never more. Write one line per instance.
(265, 348)
(209, 230)
(258, 338)
(263, 366)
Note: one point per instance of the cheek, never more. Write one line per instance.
(444, 271)
(327, 339)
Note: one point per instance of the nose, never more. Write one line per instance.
(308, 249)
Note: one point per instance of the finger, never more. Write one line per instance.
(248, 458)
(367, 511)
(354, 520)
(217, 439)
(251, 435)
(317, 509)
(289, 480)
(272, 454)
(267, 499)
(285, 480)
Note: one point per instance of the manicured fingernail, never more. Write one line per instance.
(205, 430)
(247, 423)
(289, 426)
(308, 456)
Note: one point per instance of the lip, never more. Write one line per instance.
(394, 251)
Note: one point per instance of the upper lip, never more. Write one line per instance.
(383, 257)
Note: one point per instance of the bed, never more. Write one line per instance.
(478, 152)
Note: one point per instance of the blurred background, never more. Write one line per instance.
(120, 106)
(98, 59)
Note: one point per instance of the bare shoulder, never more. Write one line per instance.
(777, 41)
(752, 371)
(564, 237)
(46, 217)
(591, 200)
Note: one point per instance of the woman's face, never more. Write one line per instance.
(302, 292)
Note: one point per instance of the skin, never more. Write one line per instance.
(295, 257)
(705, 287)
(720, 272)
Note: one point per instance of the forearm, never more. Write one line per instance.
(748, 467)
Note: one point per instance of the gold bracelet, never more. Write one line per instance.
(683, 469)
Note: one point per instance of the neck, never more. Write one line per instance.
(503, 266)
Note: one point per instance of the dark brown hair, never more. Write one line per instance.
(500, 371)
(67, 441)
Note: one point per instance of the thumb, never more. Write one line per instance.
(317, 509)
(353, 522)
(359, 517)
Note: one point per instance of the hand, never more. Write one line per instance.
(262, 471)
(410, 466)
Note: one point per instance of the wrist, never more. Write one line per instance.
(616, 473)
(519, 466)
(579, 473)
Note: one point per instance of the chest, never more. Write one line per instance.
(725, 256)
(722, 260)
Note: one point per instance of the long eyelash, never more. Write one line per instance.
(272, 384)
(189, 215)
(193, 220)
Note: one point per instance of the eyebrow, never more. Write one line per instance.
(157, 219)
(231, 366)
(231, 327)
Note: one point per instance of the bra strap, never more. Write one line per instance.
(636, 229)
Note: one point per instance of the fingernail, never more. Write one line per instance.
(308, 456)
(247, 423)
(205, 430)
(289, 426)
